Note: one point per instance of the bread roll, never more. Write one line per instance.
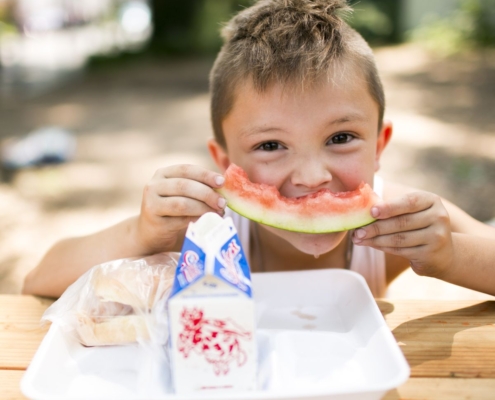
(121, 298)
(134, 285)
(112, 330)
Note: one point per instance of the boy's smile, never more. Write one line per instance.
(304, 141)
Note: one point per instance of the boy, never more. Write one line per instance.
(298, 104)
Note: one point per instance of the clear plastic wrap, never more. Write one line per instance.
(118, 302)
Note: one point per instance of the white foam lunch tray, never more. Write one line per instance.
(320, 336)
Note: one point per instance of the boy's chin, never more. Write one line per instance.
(313, 244)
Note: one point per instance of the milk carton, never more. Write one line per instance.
(211, 311)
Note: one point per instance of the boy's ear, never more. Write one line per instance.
(219, 155)
(384, 137)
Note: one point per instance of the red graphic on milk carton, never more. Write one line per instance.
(189, 267)
(230, 260)
(218, 340)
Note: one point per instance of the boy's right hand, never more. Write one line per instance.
(175, 196)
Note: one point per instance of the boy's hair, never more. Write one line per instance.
(294, 42)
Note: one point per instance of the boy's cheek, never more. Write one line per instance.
(272, 174)
(352, 169)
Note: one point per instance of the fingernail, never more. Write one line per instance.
(219, 180)
(375, 212)
(222, 202)
(360, 233)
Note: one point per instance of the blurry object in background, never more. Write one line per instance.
(50, 41)
(173, 25)
(209, 21)
(40, 16)
(444, 26)
(135, 17)
(448, 27)
(7, 19)
(378, 21)
(190, 26)
(49, 145)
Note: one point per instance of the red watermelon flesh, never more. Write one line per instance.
(320, 212)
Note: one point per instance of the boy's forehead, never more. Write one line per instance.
(344, 76)
(348, 83)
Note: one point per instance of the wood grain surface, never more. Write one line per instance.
(444, 389)
(20, 330)
(444, 339)
(10, 385)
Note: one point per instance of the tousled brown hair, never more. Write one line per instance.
(292, 42)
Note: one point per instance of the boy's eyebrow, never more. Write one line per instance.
(260, 129)
(347, 118)
(265, 129)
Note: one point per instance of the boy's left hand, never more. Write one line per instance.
(415, 226)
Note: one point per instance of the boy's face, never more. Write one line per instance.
(302, 142)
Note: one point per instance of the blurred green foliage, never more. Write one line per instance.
(191, 26)
(377, 20)
(188, 27)
(7, 26)
(6, 29)
(208, 24)
(472, 25)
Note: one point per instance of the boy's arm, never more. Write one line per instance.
(434, 236)
(68, 259)
(174, 197)
(474, 263)
(474, 252)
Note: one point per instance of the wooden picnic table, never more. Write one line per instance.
(450, 345)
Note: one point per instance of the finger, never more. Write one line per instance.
(399, 239)
(400, 223)
(410, 203)
(178, 187)
(177, 206)
(193, 172)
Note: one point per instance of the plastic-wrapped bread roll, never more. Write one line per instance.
(137, 283)
(112, 330)
(118, 302)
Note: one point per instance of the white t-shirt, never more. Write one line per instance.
(368, 262)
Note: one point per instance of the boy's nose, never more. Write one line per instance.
(311, 174)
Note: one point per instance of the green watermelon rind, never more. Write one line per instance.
(295, 223)
(289, 219)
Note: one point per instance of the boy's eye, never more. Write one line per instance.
(341, 138)
(269, 146)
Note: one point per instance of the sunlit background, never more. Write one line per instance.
(95, 95)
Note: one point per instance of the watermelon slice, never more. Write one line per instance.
(320, 212)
